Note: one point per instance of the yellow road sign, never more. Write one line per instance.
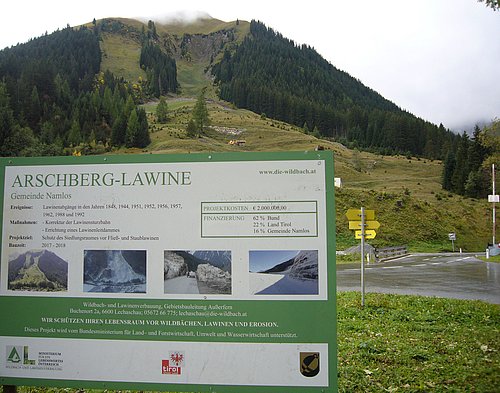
(368, 225)
(369, 234)
(355, 215)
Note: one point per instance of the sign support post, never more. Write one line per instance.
(364, 225)
(494, 199)
(362, 257)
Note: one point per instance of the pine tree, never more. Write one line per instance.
(200, 113)
(74, 136)
(6, 117)
(191, 129)
(119, 129)
(461, 172)
(132, 129)
(162, 110)
(448, 169)
(142, 138)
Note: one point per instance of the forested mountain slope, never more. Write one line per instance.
(269, 74)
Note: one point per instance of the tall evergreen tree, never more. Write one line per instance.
(461, 171)
(448, 169)
(132, 129)
(200, 115)
(162, 110)
(6, 117)
(74, 136)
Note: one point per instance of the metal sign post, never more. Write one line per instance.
(452, 236)
(363, 223)
(362, 257)
(495, 199)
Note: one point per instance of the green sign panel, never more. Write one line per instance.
(193, 273)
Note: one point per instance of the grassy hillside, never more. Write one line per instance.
(405, 192)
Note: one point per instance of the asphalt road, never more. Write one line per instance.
(459, 276)
(182, 285)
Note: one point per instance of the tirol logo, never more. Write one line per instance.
(309, 364)
(173, 365)
(14, 355)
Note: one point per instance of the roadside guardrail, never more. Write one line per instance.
(390, 252)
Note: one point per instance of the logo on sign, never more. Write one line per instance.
(309, 364)
(18, 355)
(173, 365)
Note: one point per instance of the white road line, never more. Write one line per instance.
(392, 267)
(426, 259)
(421, 264)
(435, 263)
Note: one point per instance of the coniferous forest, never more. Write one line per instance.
(269, 74)
(52, 97)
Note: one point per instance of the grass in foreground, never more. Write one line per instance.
(410, 344)
(417, 344)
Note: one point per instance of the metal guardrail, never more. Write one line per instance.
(390, 252)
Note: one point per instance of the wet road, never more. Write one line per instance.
(459, 276)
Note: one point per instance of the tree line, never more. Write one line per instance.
(467, 169)
(269, 74)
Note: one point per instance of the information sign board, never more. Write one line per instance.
(184, 273)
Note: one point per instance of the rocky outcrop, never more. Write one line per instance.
(214, 278)
(173, 265)
(305, 265)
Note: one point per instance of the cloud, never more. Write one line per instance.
(177, 17)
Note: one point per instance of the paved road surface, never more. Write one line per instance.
(181, 284)
(459, 276)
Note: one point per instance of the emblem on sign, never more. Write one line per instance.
(309, 364)
(173, 365)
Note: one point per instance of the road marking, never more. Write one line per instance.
(435, 263)
(426, 259)
(421, 264)
(392, 267)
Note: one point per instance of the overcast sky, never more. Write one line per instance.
(438, 59)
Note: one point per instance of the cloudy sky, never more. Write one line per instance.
(438, 59)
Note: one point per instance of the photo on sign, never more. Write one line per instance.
(283, 272)
(197, 272)
(114, 271)
(37, 271)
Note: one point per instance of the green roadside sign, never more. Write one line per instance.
(193, 273)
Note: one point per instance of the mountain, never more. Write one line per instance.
(220, 259)
(79, 88)
(303, 266)
(38, 270)
(280, 267)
